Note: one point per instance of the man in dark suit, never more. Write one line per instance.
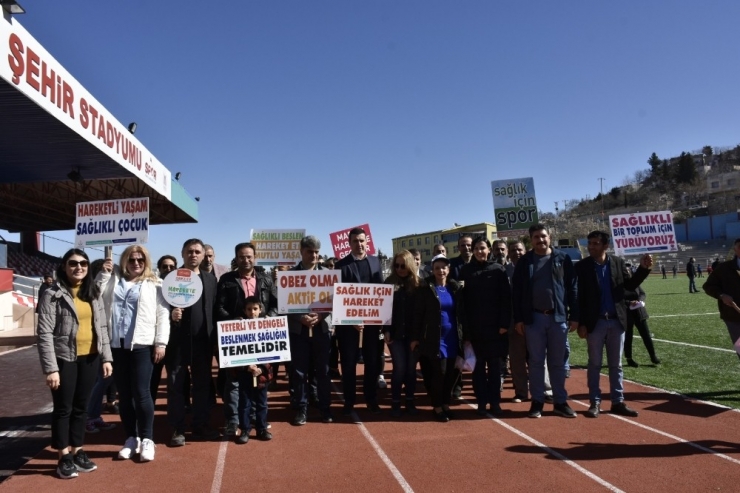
(359, 267)
(192, 340)
(603, 317)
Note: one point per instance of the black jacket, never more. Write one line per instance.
(180, 346)
(486, 300)
(403, 312)
(637, 294)
(230, 298)
(427, 317)
(294, 319)
(589, 291)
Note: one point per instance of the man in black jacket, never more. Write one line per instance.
(310, 344)
(359, 267)
(233, 288)
(192, 339)
(603, 317)
(691, 273)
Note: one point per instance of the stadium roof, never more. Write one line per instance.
(60, 146)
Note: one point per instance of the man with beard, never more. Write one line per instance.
(233, 288)
(545, 304)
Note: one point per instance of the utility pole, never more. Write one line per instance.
(601, 181)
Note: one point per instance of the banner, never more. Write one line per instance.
(306, 291)
(112, 222)
(277, 246)
(362, 304)
(340, 241)
(643, 232)
(181, 288)
(30, 68)
(515, 206)
(254, 341)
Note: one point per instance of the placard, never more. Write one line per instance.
(277, 246)
(112, 222)
(643, 232)
(253, 341)
(340, 241)
(181, 288)
(515, 206)
(306, 291)
(362, 304)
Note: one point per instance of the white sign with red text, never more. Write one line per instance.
(643, 232)
(26, 65)
(306, 291)
(340, 241)
(112, 222)
(362, 304)
(253, 341)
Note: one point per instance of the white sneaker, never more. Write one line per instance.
(130, 447)
(147, 450)
(381, 382)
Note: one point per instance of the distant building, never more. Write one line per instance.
(425, 241)
(723, 182)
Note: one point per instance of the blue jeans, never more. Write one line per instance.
(733, 328)
(609, 333)
(404, 369)
(252, 400)
(547, 338)
(95, 406)
(231, 398)
(692, 285)
(132, 369)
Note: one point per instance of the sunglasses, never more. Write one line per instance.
(168, 267)
(132, 260)
(76, 263)
(399, 266)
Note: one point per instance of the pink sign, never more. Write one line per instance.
(340, 241)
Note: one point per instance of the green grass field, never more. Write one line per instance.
(677, 316)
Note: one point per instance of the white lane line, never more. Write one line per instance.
(667, 435)
(684, 315)
(555, 454)
(696, 345)
(405, 486)
(16, 349)
(218, 474)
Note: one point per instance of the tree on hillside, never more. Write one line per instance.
(685, 171)
(654, 161)
(707, 150)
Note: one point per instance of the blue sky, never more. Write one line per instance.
(325, 114)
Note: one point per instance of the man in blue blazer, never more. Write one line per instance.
(359, 267)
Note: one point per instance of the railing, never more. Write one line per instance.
(26, 285)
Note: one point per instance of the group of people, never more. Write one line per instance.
(492, 301)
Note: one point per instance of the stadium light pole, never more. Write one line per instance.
(12, 7)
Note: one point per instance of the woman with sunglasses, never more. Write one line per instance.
(139, 328)
(72, 342)
(405, 281)
(437, 333)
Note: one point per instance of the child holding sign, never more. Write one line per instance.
(253, 380)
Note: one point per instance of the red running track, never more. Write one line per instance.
(674, 445)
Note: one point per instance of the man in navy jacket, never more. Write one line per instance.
(359, 267)
(603, 317)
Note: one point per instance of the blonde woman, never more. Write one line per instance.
(405, 279)
(139, 329)
(72, 344)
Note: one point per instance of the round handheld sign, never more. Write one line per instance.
(182, 288)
